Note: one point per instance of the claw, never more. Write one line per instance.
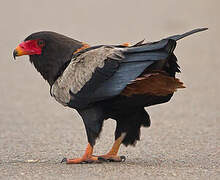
(123, 158)
(64, 160)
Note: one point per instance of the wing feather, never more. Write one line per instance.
(80, 71)
(102, 72)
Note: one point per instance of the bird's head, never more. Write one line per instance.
(48, 51)
(29, 47)
(46, 43)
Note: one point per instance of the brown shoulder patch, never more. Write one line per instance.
(157, 84)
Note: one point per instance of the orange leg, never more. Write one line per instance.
(89, 158)
(86, 158)
(112, 154)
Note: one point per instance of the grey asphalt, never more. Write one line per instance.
(36, 132)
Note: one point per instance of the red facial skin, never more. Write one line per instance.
(30, 47)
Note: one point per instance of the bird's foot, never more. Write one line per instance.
(82, 160)
(111, 158)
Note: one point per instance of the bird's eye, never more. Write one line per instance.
(41, 43)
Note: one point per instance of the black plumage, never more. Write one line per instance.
(99, 81)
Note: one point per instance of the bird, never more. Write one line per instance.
(106, 82)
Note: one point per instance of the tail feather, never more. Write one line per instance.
(168, 44)
(178, 37)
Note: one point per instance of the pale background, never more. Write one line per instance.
(183, 141)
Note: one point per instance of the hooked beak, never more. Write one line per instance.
(15, 53)
(19, 51)
(29, 47)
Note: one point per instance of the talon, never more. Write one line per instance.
(64, 160)
(123, 158)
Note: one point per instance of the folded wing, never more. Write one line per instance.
(102, 72)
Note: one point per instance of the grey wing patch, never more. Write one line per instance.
(80, 71)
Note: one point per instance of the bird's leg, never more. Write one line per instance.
(89, 158)
(112, 154)
(86, 158)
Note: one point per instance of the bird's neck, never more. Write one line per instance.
(51, 67)
(51, 71)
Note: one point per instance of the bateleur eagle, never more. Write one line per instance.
(106, 81)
